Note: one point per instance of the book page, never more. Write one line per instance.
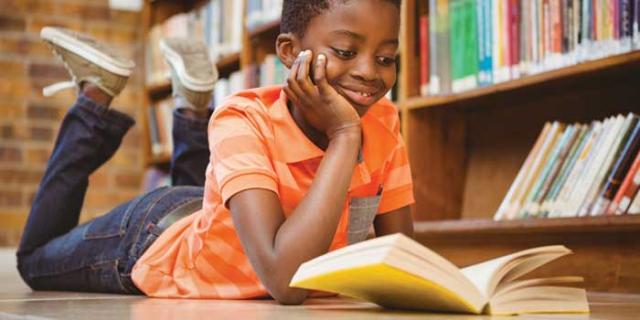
(487, 275)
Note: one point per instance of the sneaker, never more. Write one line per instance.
(193, 77)
(86, 60)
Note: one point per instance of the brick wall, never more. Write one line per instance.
(29, 122)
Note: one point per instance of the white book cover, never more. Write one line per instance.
(602, 149)
(604, 170)
(557, 208)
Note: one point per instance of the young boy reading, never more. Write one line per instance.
(294, 170)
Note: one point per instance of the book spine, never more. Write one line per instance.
(560, 207)
(481, 34)
(554, 173)
(537, 167)
(620, 170)
(506, 205)
(550, 199)
(600, 165)
(634, 207)
(434, 76)
(424, 55)
(636, 24)
(628, 189)
(532, 205)
(489, 40)
(444, 49)
(514, 42)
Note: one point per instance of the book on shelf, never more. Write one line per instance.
(160, 120)
(628, 189)
(261, 12)
(474, 43)
(270, 72)
(397, 272)
(577, 170)
(218, 24)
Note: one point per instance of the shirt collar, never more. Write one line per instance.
(378, 140)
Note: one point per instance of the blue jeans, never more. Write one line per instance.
(57, 254)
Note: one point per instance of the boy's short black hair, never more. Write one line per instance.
(296, 14)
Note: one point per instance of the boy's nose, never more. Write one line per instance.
(365, 69)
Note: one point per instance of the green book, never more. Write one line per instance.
(464, 45)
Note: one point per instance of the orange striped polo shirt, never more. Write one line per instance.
(255, 143)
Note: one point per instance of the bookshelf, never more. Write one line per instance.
(466, 149)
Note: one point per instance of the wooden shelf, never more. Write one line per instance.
(228, 64)
(479, 227)
(163, 9)
(572, 72)
(264, 29)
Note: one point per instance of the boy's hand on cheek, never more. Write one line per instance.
(322, 106)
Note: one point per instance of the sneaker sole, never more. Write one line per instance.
(188, 82)
(86, 51)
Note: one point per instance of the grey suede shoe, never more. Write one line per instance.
(193, 76)
(87, 60)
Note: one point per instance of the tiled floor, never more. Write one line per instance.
(17, 301)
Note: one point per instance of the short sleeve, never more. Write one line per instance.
(240, 157)
(397, 184)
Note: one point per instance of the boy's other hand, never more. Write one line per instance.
(322, 106)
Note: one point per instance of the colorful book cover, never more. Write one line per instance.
(464, 46)
(514, 191)
(551, 197)
(554, 172)
(444, 50)
(537, 167)
(424, 54)
(620, 169)
(434, 77)
(627, 190)
(595, 175)
(560, 207)
(531, 207)
(605, 169)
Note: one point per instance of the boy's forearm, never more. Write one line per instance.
(309, 230)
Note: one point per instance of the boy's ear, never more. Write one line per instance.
(287, 48)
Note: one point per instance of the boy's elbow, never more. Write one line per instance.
(286, 295)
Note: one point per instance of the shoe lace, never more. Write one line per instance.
(50, 90)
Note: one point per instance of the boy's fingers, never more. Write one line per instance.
(303, 72)
(319, 74)
(294, 68)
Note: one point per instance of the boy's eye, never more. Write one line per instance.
(344, 53)
(386, 61)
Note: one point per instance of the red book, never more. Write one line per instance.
(424, 54)
(514, 32)
(556, 26)
(628, 189)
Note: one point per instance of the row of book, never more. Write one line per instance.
(160, 126)
(218, 24)
(579, 170)
(271, 71)
(465, 44)
(261, 12)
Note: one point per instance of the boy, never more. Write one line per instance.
(294, 170)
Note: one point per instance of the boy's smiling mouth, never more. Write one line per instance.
(359, 95)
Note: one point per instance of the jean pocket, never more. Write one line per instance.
(112, 224)
(362, 212)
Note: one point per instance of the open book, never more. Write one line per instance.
(397, 272)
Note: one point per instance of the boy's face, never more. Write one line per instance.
(360, 40)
